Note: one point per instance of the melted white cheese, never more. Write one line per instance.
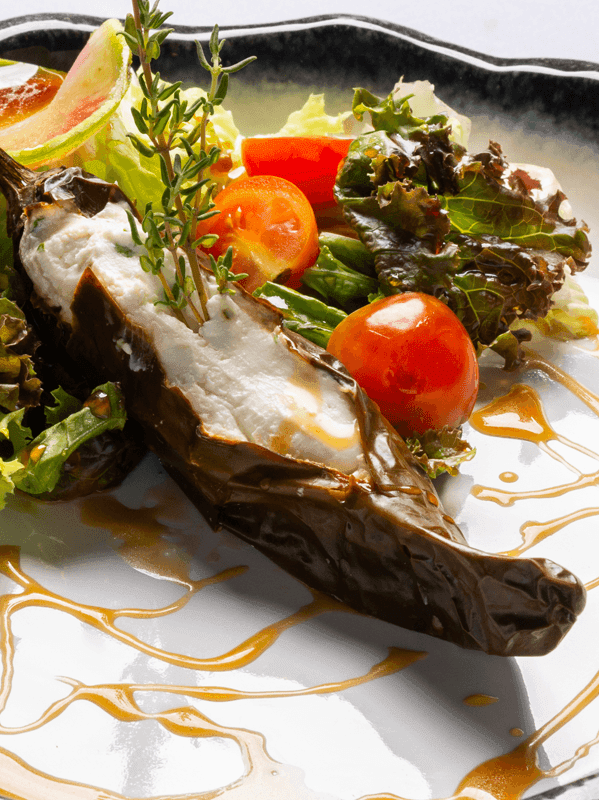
(240, 378)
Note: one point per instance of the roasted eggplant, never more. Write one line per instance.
(271, 437)
(42, 397)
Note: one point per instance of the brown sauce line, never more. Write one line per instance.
(536, 361)
(119, 701)
(23, 782)
(479, 700)
(397, 659)
(503, 497)
(558, 457)
(533, 532)
(103, 620)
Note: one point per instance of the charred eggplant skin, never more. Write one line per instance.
(379, 541)
(384, 546)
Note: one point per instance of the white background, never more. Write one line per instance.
(510, 28)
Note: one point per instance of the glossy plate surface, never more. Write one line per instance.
(152, 657)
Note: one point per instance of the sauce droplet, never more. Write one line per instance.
(477, 700)
(99, 405)
(508, 477)
(517, 415)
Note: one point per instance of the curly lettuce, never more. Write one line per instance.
(37, 464)
(465, 228)
(312, 120)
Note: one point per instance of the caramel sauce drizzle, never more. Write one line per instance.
(478, 700)
(505, 777)
(141, 530)
(533, 532)
(519, 414)
(510, 775)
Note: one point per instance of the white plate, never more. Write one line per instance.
(106, 561)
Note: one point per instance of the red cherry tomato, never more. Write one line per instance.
(412, 356)
(310, 162)
(271, 227)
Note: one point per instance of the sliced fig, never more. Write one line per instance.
(81, 106)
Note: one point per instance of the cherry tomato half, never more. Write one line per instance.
(271, 227)
(309, 162)
(412, 356)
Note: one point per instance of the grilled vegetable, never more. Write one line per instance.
(55, 444)
(271, 437)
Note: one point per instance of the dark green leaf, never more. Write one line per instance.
(336, 282)
(240, 65)
(201, 57)
(65, 405)
(45, 456)
(169, 90)
(214, 48)
(221, 91)
(349, 251)
(308, 316)
(140, 146)
(140, 122)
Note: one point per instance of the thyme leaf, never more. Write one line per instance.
(163, 124)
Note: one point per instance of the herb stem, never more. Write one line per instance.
(175, 131)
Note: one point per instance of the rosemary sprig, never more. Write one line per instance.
(176, 133)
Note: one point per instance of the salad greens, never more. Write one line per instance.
(425, 215)
(465, 228)
(38, 462)
(50, 462)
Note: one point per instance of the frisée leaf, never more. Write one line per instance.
(465, 228)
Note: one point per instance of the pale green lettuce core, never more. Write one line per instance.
(425, 103)
(571, 316)
(312, 120)
(111, 156)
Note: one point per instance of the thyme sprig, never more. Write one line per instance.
(176, 132)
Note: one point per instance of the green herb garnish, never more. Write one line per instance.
(167, 123)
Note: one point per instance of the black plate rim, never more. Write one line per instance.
(556, 66)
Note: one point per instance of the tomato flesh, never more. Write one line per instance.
(309, 162)
(271, 227)
(413, 357)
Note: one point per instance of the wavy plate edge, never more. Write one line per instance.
(553, 66)
(586, 788)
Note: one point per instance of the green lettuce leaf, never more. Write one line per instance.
(66, 405)
(465, 228)
(425, 103)
(312, 120)
(308, 316)
(14, 437)
(336, 282)
(441, 451)
(570, 316)
(19, 385)
(43, 458)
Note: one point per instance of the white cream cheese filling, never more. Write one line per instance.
(240, 378)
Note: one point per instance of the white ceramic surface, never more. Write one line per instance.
(409, 734)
